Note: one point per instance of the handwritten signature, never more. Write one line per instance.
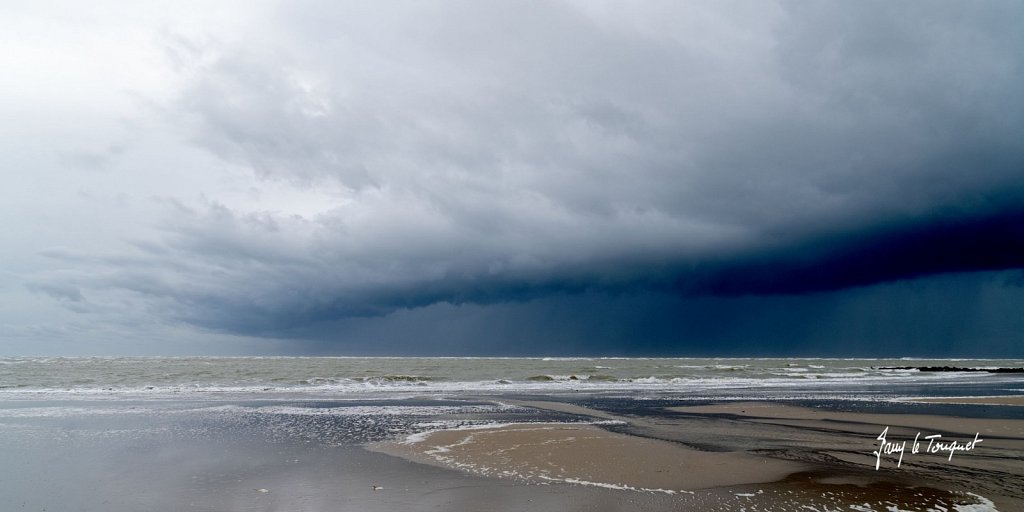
(935, 445)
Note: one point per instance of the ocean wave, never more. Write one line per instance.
(101, 378)
(538, 383)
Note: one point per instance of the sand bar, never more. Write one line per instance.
(739, 456)
(588, 455)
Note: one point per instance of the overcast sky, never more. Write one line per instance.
(467, 177)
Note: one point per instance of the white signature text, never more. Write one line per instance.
(935, 445)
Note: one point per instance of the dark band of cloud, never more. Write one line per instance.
(979, 241)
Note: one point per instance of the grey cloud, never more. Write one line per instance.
(92, 160)
(838, 111)
(58, 291)
(69, 296)
(497, 155)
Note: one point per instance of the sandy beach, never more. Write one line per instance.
(588, 455)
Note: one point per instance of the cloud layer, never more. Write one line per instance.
(428, 154)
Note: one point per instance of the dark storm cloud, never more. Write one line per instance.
(944, 243)
(492, 154)
(251, 281)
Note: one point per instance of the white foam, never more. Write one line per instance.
(968, 399)
(985, 505)
(617, 487)
(443, 425)
(378, 410)
(361, 410)
(65, 412)
(438, 426)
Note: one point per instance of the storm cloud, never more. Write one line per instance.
(333, 172)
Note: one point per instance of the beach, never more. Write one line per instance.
(631, 445)
(796, 456)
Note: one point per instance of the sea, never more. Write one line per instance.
(379, 398)
(271, 378)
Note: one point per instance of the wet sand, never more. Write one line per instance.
(751, 455)
(980, 400)
(588, 455)
(994, 430)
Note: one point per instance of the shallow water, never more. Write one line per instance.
(305, 455)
